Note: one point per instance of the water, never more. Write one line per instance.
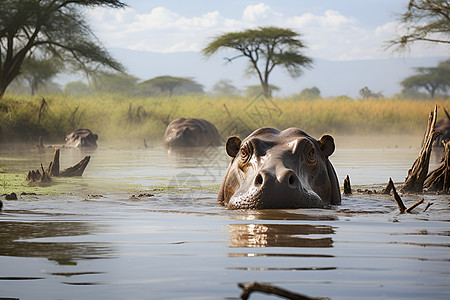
(144, 224)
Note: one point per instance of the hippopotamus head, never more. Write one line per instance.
(81, 138)
(279, 169)
(190, 132)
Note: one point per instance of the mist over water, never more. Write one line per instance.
(144, 223)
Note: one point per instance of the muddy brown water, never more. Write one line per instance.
(144, 224)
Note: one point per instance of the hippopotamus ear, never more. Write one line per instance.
(233, 145)
(327, 144)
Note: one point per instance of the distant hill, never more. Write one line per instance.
(333, 78)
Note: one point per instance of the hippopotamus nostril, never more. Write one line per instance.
(292, 179)
(259, 180)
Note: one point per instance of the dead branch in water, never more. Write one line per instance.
(270, 289)
(388, 188)
(439, 179)
(347, 186)
(53, 169)
(398, 199)
(414, 205)
(418, 172)
(40, 144)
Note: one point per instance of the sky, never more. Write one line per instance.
(333, 30)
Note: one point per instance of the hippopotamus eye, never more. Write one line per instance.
(311, 157)
(246, 152)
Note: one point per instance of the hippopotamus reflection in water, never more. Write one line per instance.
(279, 169)
(81, 138)
(190, 132)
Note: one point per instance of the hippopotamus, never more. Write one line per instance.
(443, 126)
(189, 132)
(279, 169)
(81, 138)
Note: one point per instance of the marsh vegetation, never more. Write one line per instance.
(116, 117)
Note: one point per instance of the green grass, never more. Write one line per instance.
(118, 118)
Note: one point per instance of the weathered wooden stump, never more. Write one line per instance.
(76, 170)
(439, 179)
(347, 186)
(37, 176)
(419, 170)
(53, 169)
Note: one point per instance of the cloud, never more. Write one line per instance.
(259, 13)
(329, 35)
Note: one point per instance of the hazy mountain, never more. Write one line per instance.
(333, 78)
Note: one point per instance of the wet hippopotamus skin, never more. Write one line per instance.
(279, 169)
(443, 126)
(81, 138)
(189, 132)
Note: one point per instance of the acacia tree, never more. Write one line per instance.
(366, 93)
(265, 48)
(168, 85)
(38, 72)
(433, 79)
(424, 20)
(50, 27)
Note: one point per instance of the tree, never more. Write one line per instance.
(117, 83)
(55, 28)
(433, 79)
(38, 72)
(76, 88)
(424, 20)
(366, 93)
(310, 93)
(265, 48)
(254, 91)
(224, 87)
(169, 85)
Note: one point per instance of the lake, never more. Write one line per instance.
(142, 223)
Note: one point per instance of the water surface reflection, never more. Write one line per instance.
(41, 239)
(280, 235)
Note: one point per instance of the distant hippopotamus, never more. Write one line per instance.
(443, 126)
(188, 132)
(81, 138)
(279, 169)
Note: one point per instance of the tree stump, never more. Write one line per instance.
(439, 179)
(76, 170)
(37, 176)
(419, 170)
(347, 186)
(53, 169)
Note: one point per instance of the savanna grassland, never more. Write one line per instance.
(118, 118)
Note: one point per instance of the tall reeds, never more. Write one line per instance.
(115, 117)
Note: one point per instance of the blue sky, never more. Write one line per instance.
(333, 30)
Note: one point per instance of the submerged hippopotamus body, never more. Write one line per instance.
(279, 169)
(443, 126)
(190, 132)
(81, 138)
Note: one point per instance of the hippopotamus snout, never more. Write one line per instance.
(275, 188)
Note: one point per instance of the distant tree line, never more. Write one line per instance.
(426, 83)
